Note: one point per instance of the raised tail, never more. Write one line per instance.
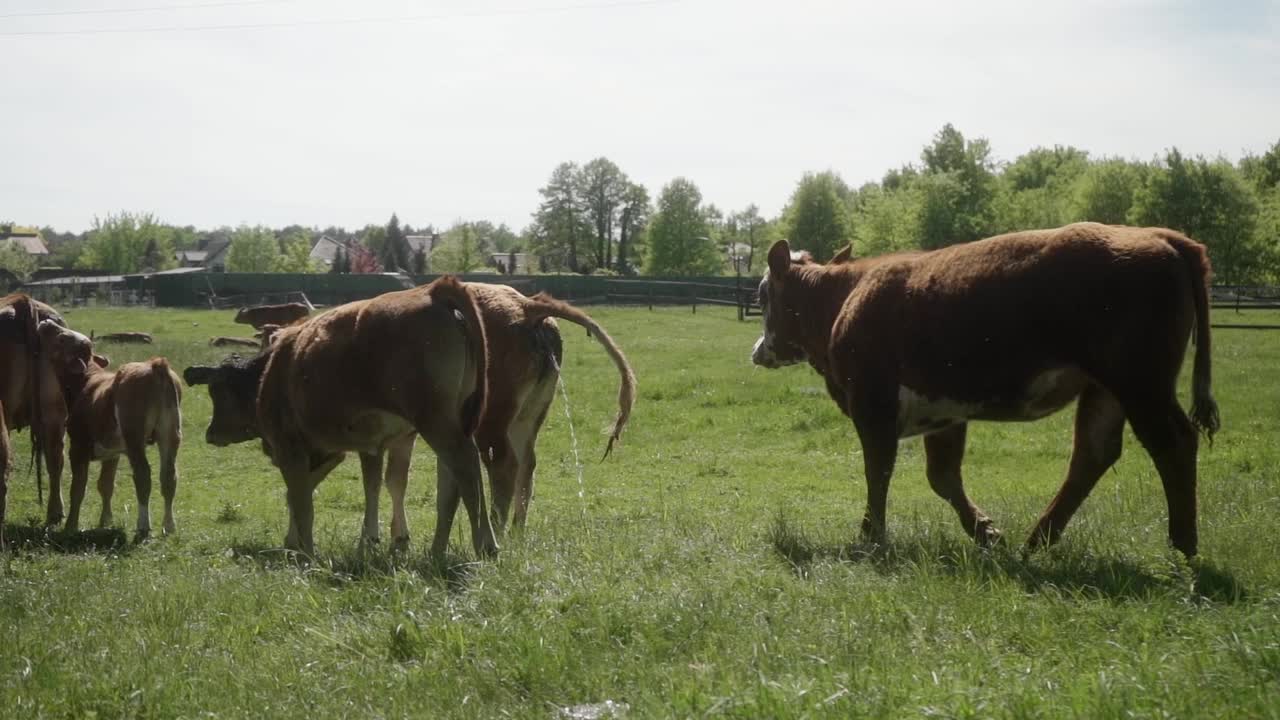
(1204, 409)
(449, 289)
(543, 305)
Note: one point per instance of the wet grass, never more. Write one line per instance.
(711, 567)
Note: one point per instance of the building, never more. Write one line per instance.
(215, 257)
(191, 258)
(26, 238)
(505, 265)
(326, 249)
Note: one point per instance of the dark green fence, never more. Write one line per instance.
(223, 289)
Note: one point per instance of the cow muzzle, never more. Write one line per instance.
(765, 354)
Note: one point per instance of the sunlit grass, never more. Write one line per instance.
(711, 567)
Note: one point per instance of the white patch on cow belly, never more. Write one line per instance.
(1050, 390)
(919, 414)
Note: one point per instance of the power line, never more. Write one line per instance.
(616, 4)
(153, 8)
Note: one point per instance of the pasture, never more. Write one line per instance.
(708, 568)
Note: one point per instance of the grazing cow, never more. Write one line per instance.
(367, 377)
(113, 414)
(1009, 328)
(285, 314)
(29, 392)
(524, 358)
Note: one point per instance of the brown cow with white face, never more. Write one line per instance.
(113, 414)
(369, 377)
(1014, 327)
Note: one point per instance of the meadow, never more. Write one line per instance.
(709, 567)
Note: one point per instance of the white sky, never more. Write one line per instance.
(462, 112)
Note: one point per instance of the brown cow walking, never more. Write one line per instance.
(1008, 328)
(118, 413)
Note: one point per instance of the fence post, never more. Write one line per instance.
(651, 298)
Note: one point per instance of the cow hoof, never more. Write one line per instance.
(141, 536)
(988, 536)
(400, 544)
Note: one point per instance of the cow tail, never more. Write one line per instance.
(543, 305)
(1204, 409)
(172, 390)
(451, 290)
(27, 310)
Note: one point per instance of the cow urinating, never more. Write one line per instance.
(1010, 328)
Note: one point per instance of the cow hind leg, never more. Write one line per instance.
(136, 451)
(503, 465)
(944, 453)
(1096, 445)
(459, 477)
(6, 465)
(106, 488)
(371, 475)
(1171, 440)
(168, 447)
(399, 456)
(524, 438)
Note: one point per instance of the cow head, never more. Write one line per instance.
(69, 351)
(233, 387)
(781, 343)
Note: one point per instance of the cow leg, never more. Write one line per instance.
(106, 488)
(458, 476)
(1171, 440)
(1096, 445)
(135, 450)
(524, 437)
(399, 456)
(371, 474)
(6, 466)
(879, 453)
(300, 482)
(168, 447)
(79, 482)
(54, 433)
(944, 453)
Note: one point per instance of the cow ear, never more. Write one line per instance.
(844, 256)
(101, 360)
(780, 258)
(198, 374)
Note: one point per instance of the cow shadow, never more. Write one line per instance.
(1073, 571)
(361, 563)
(34, 537)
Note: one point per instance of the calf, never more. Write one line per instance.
(285, 314)
(367, 377)
(29, 393)
(1014, 327)
(113, 414)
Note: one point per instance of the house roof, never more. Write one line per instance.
(425, 243)
(30, 242)
(325, 249)
(216, 251)
(192, 255)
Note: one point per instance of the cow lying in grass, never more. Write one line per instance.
(272, 314)
(113, 414)
(369, 377)
(525, 353)
(1014, 327)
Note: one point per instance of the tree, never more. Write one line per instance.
(395, 249)
(631, 223)
(459, 251)
(253, 249)
(341, 263)
(420, 261)
(1104, 192)
(958, 187)
(16, 260)
(1211, 202)
(887, 220)
(362, 260)
(1263, 171)
(679, 238)
(559, 229)
(601, 187)
(816, 218)
(295, 255)
(123, 243)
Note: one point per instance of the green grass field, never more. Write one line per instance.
(708, 568)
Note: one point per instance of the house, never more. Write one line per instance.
(425, 244)
(326, 249)
(191, 258)
(511, 263)
(215, 257)
(26, 238)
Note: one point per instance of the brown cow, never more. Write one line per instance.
(285, 314)
(1010, 328)
(524, 358)
(123, 337)
(368, 377)
(29, 391)
(115, 413)
(224, 341)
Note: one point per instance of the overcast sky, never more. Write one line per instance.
(320, 112)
